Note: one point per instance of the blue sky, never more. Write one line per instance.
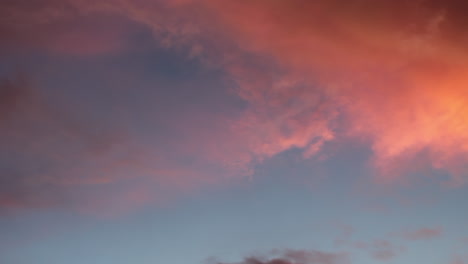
(182, 132)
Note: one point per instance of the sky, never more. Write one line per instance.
(233, 132)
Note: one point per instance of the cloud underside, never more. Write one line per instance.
(295, 257)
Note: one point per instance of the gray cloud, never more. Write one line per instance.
(296, 257)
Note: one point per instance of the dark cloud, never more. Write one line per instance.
(296, 257)
(43, 145)
(13, 93)
(64, 28)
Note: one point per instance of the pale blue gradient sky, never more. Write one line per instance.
(270, 212)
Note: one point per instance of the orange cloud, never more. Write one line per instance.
(399, 83)
(315, 71)
(309, 72)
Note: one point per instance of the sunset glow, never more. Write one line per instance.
(233, 131)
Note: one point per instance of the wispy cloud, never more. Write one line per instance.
(424, 233)
(385, 250)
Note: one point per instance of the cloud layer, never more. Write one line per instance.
(308, 73)
(396, 83)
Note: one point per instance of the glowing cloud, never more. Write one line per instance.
(308, 72)
(399, 84)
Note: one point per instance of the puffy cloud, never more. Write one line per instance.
(396, 83)
(311, 72)
(308, 73)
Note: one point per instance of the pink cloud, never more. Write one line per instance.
(385, 250)
(90, 36)
(312, 72)
(458, 260)
(66, 28)
(58, 156)
(384, 255)
(54, 158)
(308, 73)
(464, 240)
(424, 233)
(400, 90)
(378, 249)
(345, 236)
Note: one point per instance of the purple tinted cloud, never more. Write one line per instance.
(296, 257)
